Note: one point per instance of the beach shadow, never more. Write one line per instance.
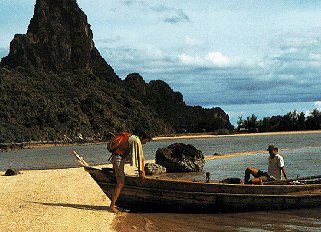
(77, 206)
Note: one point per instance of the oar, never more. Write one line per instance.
(290, 180)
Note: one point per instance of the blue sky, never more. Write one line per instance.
(261, 57)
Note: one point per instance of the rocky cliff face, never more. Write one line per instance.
(170, 106)
(55, 85)
(58, 39)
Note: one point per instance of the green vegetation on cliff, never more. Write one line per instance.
(54, 85)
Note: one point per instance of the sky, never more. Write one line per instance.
(247, 57)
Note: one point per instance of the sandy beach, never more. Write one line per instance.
(53, 200)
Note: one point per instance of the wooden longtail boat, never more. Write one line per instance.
(164, 195)
(168, 195)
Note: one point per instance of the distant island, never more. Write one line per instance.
(292, 121)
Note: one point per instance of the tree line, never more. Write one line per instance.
(292, 121)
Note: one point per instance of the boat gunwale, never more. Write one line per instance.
(297, 194)
(132, 182)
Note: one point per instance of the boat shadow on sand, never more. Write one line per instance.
(77, 206)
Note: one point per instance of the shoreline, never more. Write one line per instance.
(31, 145)
(199, 136)
(230, 155)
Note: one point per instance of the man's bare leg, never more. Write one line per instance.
(248, 173)
(118, 188)
(257, 181)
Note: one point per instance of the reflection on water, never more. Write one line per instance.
(290, 220)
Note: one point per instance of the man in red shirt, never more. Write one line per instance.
(127, 149)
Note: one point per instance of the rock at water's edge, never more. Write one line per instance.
(12, 172)
(180, 157)
(154, 169)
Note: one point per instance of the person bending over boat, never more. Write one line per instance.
(124, 148)
(275, 169)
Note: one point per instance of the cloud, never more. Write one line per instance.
(192, 42)
(317, 105)
(217, 59)
(289, 73)
(200, 79)
(176, 16)
(160, 8)
(194, 60)
(206, 80)
(131, 3)
(170, 14)
(143, 60)
(294, 55)
(164, 13)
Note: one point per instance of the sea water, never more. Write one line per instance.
(302, 154)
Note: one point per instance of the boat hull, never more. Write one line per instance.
(159, 195)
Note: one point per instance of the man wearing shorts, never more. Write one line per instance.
(129, 150)
(275, 169)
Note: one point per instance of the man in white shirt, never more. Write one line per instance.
(275, 169)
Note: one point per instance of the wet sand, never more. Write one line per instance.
(224, 156)
(53, 200)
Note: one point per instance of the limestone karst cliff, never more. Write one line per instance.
(54, 85)
(58, 39)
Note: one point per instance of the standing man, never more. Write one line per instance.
(275, 169)
(125, 147)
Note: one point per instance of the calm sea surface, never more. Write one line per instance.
(302, 154)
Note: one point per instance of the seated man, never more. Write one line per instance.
(276, 166)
